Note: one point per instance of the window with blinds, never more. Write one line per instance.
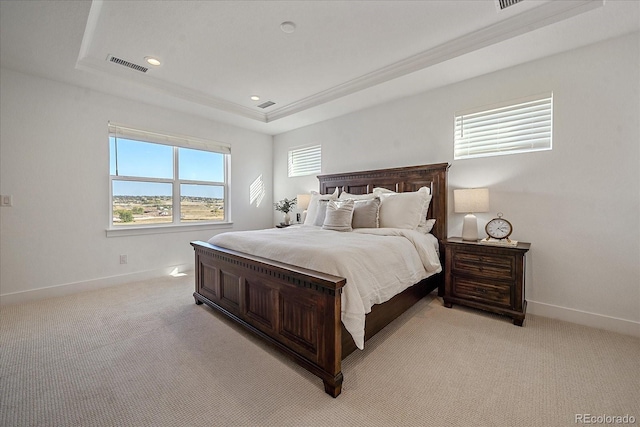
(519, 126)
(305, 161)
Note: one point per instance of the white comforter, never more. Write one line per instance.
(378, 263)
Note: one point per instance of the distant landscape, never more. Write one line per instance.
(139, 210)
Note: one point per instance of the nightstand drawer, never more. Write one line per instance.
(495, 293)
(489, 266)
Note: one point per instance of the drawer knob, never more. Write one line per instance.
(481, 290)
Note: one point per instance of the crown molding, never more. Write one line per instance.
(548, 13)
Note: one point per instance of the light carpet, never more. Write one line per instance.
(143, 354)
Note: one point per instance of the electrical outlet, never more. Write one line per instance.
(6, 201)
(123, 259)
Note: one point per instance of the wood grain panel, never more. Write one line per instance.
(496, 293)
(299, 322)
(209, 281)
(357, 189)
(488, 266)
(260, 303)
(230, 290)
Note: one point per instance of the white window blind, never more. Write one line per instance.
(515, 127)
(120, 131)
(305, 161)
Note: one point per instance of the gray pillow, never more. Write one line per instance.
(339, 216)
(365, 213)
(321, 212)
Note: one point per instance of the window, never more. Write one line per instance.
(305, 160)
(166, 180)
(515, 127)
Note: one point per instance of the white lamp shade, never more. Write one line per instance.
(302, 200)
(469, 200)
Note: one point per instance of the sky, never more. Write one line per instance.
(147, 160)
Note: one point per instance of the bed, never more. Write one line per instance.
(298, 310)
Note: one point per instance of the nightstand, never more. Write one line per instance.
(488, 277)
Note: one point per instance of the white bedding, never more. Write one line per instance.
(378, 263)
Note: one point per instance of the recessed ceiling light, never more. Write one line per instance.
(152, 61)
(255, 98)
(288, 27)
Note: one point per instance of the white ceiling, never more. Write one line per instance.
(343, 56)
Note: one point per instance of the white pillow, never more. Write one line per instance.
(312, 209)
(345, 195)
(379, 190)
(339, 216)
(404, 210)
(427, 226)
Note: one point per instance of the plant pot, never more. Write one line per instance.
(286, 219)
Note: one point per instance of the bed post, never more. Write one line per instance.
(333, 386)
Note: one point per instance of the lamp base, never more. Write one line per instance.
(470, 228)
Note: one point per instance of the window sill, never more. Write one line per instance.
(160, 229)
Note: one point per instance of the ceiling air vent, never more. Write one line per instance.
(503, 4)
(127, 64)
(266, 104)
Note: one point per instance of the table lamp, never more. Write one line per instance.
(470, 200)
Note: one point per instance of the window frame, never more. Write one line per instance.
(175, 142)
(485, 146)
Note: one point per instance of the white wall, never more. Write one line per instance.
(579, 204)
(54, 160)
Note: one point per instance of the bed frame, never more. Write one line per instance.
(298, 310)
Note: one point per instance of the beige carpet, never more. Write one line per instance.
(134, 355)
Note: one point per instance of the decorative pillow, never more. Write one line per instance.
(366, 213)
(322, 212)
(339, 216)
(345, 195)
(404, 210)
(312, 210)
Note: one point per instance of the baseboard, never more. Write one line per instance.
(88, 285)
(598, 321)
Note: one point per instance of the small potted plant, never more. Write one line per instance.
(285, 206)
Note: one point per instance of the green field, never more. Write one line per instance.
(140, 210)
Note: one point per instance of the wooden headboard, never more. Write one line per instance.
(403, 179)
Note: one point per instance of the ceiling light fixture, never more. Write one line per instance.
(288, 27)
(255, 98)
(152, 61)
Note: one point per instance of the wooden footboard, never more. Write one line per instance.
(294, 309)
